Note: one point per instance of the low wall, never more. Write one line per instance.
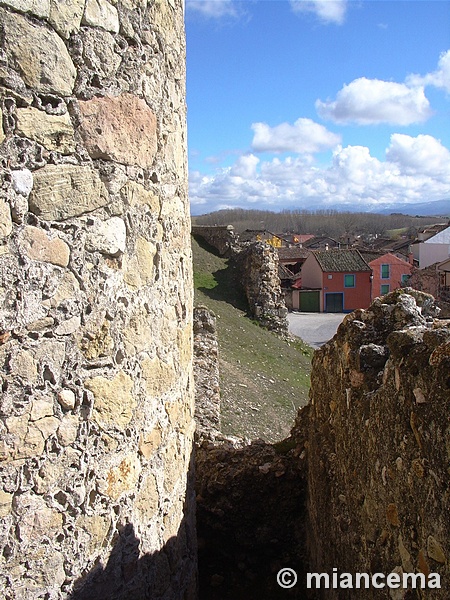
(220, 237)
(206, 375)
(378, 451)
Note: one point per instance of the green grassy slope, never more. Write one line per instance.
(264, 379)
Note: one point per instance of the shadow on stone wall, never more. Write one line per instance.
(360, 486)
(251, 519)
(168, 574)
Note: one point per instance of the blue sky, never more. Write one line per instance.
(313, 104)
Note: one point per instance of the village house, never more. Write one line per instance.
(443, 294)
(277, 240)
(292, 258)
(334, 281)
(433, 245)
(434, 280)
(321, 241)
(388, 272)
(296, 239)
(443, 270)
(399, 248)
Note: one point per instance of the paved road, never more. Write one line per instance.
(314, 328)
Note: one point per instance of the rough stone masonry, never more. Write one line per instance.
(96, 408)
(378, 447)
(362, 483)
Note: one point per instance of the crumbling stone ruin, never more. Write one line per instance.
(96, 422)
(428, 280)
(256, 264)
(258, 268)
(206, 375)
(221, 237)
(378, 444)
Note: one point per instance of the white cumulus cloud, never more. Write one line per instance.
(416, 169)
(329, 11)
(355, 165)
(423, 154)
(213, 9)
(245, 166)
(372, 101)
(439, 78)
(303, 137)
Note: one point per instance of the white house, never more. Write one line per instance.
(443, 270)
(434, 249)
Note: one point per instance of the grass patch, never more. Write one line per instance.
(206, 281)
(264, 379)
(395, 234)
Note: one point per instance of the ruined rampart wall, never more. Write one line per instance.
(363, 478)
(220, 237)
(206, 375)
(258, 266)
(95, 292)
(378, 452)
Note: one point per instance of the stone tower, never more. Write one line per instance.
(95, 296)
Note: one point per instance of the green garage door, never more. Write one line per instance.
(310, 301)
(334, 303)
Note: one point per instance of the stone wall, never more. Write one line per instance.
(378, 451)
(258, 265)
(220, 237)
(363, 478)
(206, 375)
(96, 409)
(427, 280)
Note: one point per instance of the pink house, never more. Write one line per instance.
(341, 280)
(389, 273)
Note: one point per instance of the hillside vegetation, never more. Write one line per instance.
(264, 379)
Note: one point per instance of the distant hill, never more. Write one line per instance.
(260, 218)
(333, 222)
(425, 209)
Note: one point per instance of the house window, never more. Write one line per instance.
(385, 274)
(349, 281)
(384, 289)
(405, 279)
